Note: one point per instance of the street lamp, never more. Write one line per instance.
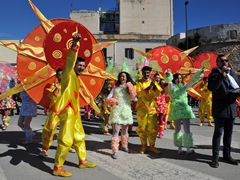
(186, 3)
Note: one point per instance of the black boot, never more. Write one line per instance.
(230, 160)
(214, 163)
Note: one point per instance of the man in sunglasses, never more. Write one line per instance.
(222, 80)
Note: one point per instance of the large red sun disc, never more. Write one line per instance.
(59, 40)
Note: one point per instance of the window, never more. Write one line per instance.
(147, 49)
(233, 34)
(129, 53)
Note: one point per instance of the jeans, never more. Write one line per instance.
(221, 124)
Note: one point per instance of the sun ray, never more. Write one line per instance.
(87, 96)
(100, 46)
(26, 49)
(230, 52)
(39, 77)
(187, 52)
(47, 25)
(94, 71)
(147, 55)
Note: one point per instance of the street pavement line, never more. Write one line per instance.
(138, 166)
(2, 176)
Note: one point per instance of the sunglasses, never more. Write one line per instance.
(226, 60)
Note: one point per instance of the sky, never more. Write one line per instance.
(17, 18)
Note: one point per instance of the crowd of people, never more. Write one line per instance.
(155, 99)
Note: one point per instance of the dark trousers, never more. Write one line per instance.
(226, 125)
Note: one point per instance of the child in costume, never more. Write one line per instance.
(120, 98)
(161, 107)
(181, 112)
(206, 103)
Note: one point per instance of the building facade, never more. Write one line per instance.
(142, 24)
(8, 55)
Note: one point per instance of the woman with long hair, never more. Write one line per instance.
(120, 98)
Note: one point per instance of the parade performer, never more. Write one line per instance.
(181, 112)
(238, 107)
(5, 104)
(120, 98)
(27, 112)
(103, 106)
(87, 111)
(52, 120)
(206, 103)
(147, 89)
(67, 108)
(161, 106)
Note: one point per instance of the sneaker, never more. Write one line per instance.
(126, 149)
(43, 153)
(4, 127)
(210, 124)
(87, 165)
(32, 133)
(201, 124)
(114, 155)
(190, 152)
(72, 150)
(214, 163)
(180, 152)
(230, 160)
(107, 133)
(172, 126)
(155, 150)
(143, 150)
(59, 171)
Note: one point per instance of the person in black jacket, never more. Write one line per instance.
(220, 82)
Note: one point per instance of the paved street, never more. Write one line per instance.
(21, 162)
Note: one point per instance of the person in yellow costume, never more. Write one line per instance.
(206, 103)
(52, 120)
(67, 108)
(147, 89)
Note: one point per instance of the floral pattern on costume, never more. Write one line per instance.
(7, 103)
(161, 105)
